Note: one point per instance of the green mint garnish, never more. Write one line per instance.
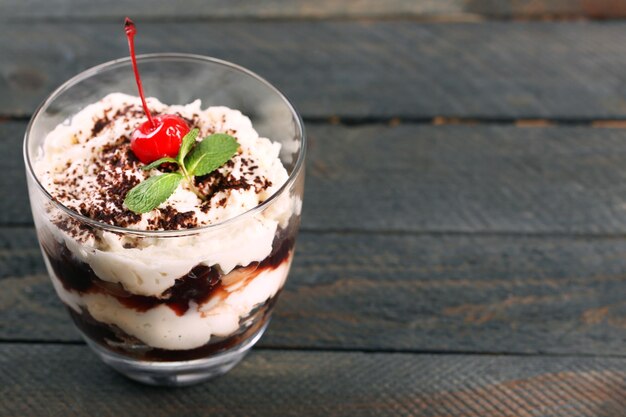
(210, 154)
(147, 195)
(193, 159)
(188, 141)
(158, 162)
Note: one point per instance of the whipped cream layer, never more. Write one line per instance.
(86, 164)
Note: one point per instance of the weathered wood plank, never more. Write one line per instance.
(529, 9)
(215, 9)
(68, 381)
(445, 178)
(14, 209)
(357, 69)
(460, 178)
(414, 293)
(299, 9)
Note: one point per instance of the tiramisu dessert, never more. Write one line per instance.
(190, 265)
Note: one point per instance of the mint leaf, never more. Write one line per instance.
(147, 195)
(213, 152)
(188, 141)
(158, 162)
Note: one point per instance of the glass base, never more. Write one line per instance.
(177, 373)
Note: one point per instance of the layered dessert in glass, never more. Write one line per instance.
(179, 293)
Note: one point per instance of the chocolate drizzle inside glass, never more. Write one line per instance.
(198, 287)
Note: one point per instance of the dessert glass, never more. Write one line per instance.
(206, 320)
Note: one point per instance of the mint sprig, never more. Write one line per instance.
(194, 159)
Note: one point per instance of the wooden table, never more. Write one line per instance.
(463, 249)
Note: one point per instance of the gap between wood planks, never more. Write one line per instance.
(354, 17)
(331, 349)
(614, 123)
(465, 121)
(430, 233)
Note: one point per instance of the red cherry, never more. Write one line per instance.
(160, 136)
(150, 143)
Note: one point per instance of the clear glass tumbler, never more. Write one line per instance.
(204, 321)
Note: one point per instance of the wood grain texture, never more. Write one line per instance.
(215, 9)
(69, 381)
(15, 208)
(357, 70)
(470, 179)
(413, 293)
(532, 9)
(436, 179)
(308, 9)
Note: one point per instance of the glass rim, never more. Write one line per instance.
(155, 57)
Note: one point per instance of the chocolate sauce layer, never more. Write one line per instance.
(198, 285)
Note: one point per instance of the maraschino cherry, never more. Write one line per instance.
(160, 136)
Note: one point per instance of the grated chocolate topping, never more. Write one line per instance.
(97, 190)
(171, 219)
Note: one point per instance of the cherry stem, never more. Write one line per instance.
(131, 30)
